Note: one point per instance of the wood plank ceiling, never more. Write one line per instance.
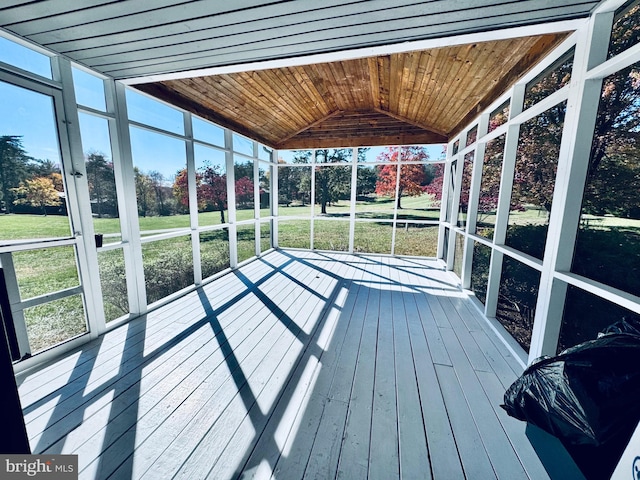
(417, 97)
(401, 97)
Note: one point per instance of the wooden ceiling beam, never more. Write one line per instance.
(317, 122)
(360, 129)
(342, 141)
(412, 122)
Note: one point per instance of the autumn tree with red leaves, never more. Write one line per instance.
(211, 188)
(214, 189)
(413, 177)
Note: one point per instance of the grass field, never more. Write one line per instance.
(168, 263)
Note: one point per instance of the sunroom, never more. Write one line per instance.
(300, 240)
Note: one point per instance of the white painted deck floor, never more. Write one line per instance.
(297, 365)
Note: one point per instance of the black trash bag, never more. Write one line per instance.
(587, 395)
(631, 325)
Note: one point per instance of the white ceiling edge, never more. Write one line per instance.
(352, 54)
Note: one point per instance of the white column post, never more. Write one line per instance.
(573, 163)
(231, 199)
(127, 201)
(79, 202)
(275, 196)
(193, 199)
(352, 207)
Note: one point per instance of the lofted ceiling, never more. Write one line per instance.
(303, 73)
(403, 98)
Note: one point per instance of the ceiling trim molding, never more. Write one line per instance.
(351, 54)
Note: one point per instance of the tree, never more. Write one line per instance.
(144, 192)
(42, 168)
(14, 163)
(214, 189)
(244, 192)
(434, 188)
(161, 193)
(333, 183)
(58, 183)
(243, 173)
(243, 169)
(102, 184)
(211, 188)
(367, 179)
(181, 189)
(413, 177)
(38, 192)
(614, 174)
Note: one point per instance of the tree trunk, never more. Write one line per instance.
(398, 202)
(323, 208)
(221, 207)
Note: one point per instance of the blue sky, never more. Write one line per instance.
(30, 115)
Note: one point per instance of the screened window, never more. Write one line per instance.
(624, 33)
(373, 237)
(207, 132)
(331, 235)
(585, 315)
(211, 186)
(534, 181)
(467, 170)
(294, 191)
(499, 116)
(480, 270)
(147, 111)
(517, 299)
(159, 165)
(242, 145)
(608, 245)
(243, 172)
(89, 90)
(25, 58)
(552, 79)
(490, 187)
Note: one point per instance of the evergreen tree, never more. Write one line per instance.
(14, 168)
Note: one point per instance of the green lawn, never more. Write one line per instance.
(167, 263)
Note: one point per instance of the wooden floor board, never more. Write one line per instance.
(300, 364)
(329, 316)
(412, 439)
(514, 429)
(473, 456)
(383, 451)
(298, 445)
(236, 331)
(437, 348)
(282, 421)
(325, 454)
(245, 363)
(471, 350)
(354, 456)
(501, 454)
(87, 379)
